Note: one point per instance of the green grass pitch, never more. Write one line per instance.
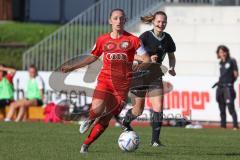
(39, 141)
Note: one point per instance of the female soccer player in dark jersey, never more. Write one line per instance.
(118, 49)
(157, 44)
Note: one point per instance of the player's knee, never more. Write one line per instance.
(231, 111)
(93, 113)
(97, 108)
(26, 105)
(14, 105)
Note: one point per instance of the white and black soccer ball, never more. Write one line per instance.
(129, 141)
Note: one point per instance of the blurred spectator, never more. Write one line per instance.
(6, 86)
(225, 93)
(33, 96)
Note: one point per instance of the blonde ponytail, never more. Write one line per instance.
(149, 18)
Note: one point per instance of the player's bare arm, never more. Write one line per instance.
(172, 63)
(88, 60)
(143, 58)
(12, 71)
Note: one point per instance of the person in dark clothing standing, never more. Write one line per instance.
(225, 94)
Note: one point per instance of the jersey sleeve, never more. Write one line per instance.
(234, 63)
(141, 50)
(97, 48)
(139, 47)
(171, 45)
(142, 37)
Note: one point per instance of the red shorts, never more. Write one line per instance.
(116, 98)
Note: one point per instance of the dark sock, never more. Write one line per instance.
(129, 117)
(157, 118)
(118, 119)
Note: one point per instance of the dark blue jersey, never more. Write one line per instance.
(226, 71)
(159, 46)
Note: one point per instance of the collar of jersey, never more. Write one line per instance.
(226, 61)
(124, 32)
(158, 38)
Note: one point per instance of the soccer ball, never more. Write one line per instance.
(128, 141)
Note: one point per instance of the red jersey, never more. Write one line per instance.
(10, 78)
(118, 55)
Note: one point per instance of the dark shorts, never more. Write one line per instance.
(141, 90)
(146, 80)
(39, 101)
(4, 102)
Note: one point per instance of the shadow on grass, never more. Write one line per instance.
(233, 154)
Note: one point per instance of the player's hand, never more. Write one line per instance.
(154, 58)
(66, 68)
(172, 72)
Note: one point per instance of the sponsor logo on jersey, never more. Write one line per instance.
(116, 56)
(160, 46)
(110, 46)
(227, 65)
(125, 45)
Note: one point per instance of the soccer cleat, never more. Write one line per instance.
(157, 144)
(85, 125)
(84, 149)
(235, 128)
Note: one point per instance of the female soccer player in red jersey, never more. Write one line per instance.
(118, 48)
